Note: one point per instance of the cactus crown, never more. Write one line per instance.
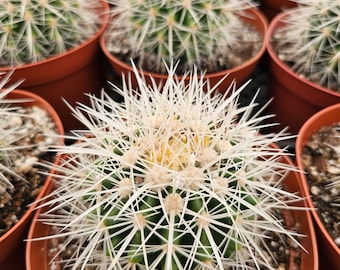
(32, 30)
(194, 32)
(168, 180)
(311, 41)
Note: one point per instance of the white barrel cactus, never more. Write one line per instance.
(170, 179)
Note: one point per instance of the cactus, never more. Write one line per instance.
(171, 179)
(25, 135)
(201, 33)
(33, 30)
(310, 41)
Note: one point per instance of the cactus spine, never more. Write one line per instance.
(192, 32)
(311, 43)
(32, 30)
(168, 180)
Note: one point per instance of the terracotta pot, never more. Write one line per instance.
(36, 251)
(329, 252)
(13, 239)
(295, 98)
(68, 75)
(239, 73)
(273, 7)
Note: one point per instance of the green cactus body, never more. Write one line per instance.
(313, 42)
(33, 30)
(171, 182)
(192, 32)
(190, 37)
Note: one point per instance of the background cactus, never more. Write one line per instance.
(310, 41)
(202, 33)
(168, 180)
(26, 132)
(32, 30)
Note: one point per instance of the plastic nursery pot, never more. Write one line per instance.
(295, 98)
(37, 250)
(329, 252)
(13, 239)
(239, 74)
(68, 75)
(272, 7)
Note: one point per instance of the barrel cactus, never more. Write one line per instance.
(309, 42)
(171, 179)
(201, 33)
(32, 30)
(26, 132)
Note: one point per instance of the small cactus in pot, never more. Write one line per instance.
(200, 33)
(28, 126)
(309, 41)
(32, 30)
(171, 179)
